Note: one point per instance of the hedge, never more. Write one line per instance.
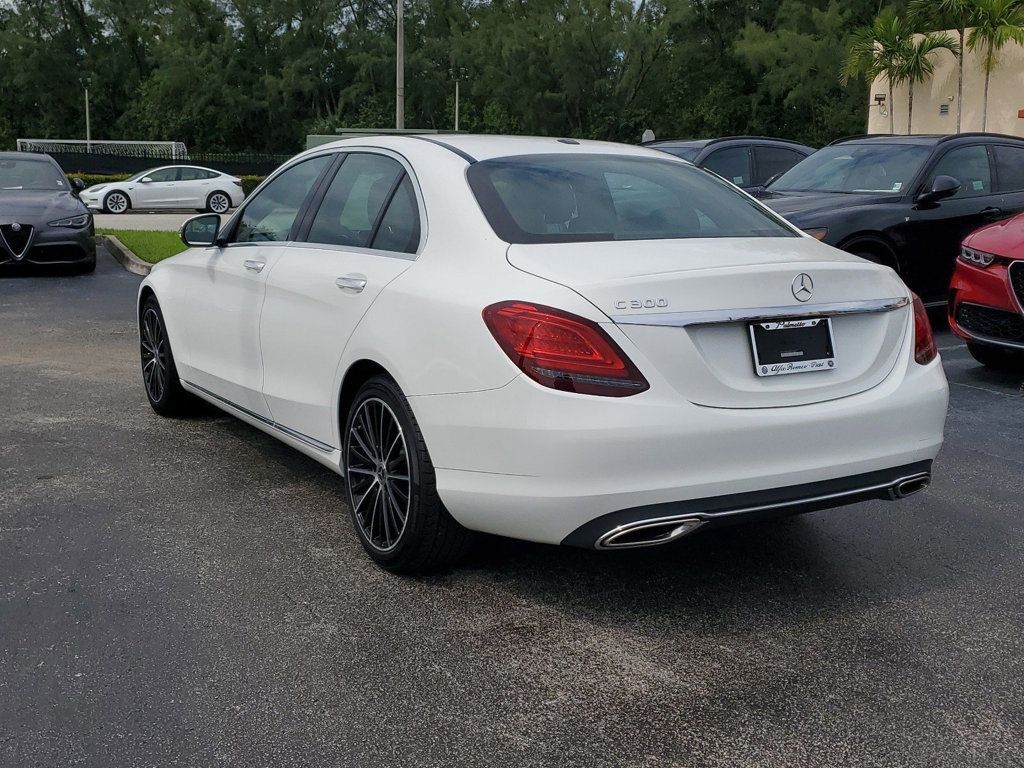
(249, 183)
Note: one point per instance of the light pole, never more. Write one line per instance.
(88, 127)
(399, 69)
(456, 106)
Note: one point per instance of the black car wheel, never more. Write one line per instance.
(997, 358)
(159, 374)
(218, 202)
(392, 495)
(116, 202)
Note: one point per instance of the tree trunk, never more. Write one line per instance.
(910, 109)
(984, 103)
(960, 83)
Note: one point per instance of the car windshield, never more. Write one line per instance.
(855, 168)
(577, 198)
(31, 174)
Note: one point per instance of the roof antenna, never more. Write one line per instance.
(647, 137)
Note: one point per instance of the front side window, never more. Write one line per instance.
(31, 174)
(352, 206)
(578, 198)
(774, 160)
(969, 166)
(269, 215)
(1010, 167)
(164, 174)
(856, 168)
(732, 163)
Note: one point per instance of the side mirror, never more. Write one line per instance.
(200, 230)
(773, 178)
(77, 184)
(942, 187)
(145, 180)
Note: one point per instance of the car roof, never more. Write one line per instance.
(474, 147)
(702, 143)
(927, 140)
(27, 156)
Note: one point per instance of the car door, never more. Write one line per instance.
(192, 188)
(361, 235)
(1009, 163)
(225, 287)
(158, 191)
(931, 235)
(732, 164)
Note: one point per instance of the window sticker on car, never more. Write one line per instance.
(897, 186)
(737, 179)
(978, 186)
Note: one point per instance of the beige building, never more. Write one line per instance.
(935, 99)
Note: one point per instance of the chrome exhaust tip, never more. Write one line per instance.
(648, 533)
(908, 486)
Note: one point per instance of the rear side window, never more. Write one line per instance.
(399, 230)
(578, 198)
(774, 160)
(270, 214)
(355, 199)
(1010, 167)
(969, 166)
(194, 174)
(732, 163)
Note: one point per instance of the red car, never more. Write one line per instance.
(986, 296)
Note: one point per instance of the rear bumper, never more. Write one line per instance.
(537, 464)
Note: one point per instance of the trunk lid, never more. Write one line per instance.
(648, 288)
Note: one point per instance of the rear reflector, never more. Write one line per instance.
(562, 351)
(924, 342)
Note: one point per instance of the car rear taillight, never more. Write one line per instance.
(562, 351)
(924, 341)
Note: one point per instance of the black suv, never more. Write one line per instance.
(904, 201)
(749, 162)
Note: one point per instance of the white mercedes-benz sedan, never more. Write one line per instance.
(564, 341)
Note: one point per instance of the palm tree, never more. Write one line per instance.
(996, 23)
(879, 50)
(917, 65)
(948, 14)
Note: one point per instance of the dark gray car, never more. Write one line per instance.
(42, 221)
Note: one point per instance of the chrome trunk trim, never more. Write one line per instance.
(751, 314)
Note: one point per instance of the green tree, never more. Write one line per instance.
(917, 64)
(940, 15)
(880, 50)
(996, 23)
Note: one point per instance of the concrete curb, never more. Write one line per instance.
(125, 257)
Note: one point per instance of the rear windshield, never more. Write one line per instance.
(578, 198)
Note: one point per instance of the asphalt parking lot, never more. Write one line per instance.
(167, 221)
(191, 593)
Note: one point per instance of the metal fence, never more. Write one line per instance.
(131, 157)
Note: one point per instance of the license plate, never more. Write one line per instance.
(792, 346)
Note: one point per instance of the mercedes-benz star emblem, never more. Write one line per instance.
(15, 227)
(803, 287)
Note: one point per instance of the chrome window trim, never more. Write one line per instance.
(749, 314)
(417, 193)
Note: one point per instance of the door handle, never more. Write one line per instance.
(353, 283)
(254, 266)
(992, 212)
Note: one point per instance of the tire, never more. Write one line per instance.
(997, 358)
(218, 202)
(117, 202)
(159, 373)
(876, 254)
(380, 425)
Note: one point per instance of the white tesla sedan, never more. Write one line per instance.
(563, 341)
(171, 186)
